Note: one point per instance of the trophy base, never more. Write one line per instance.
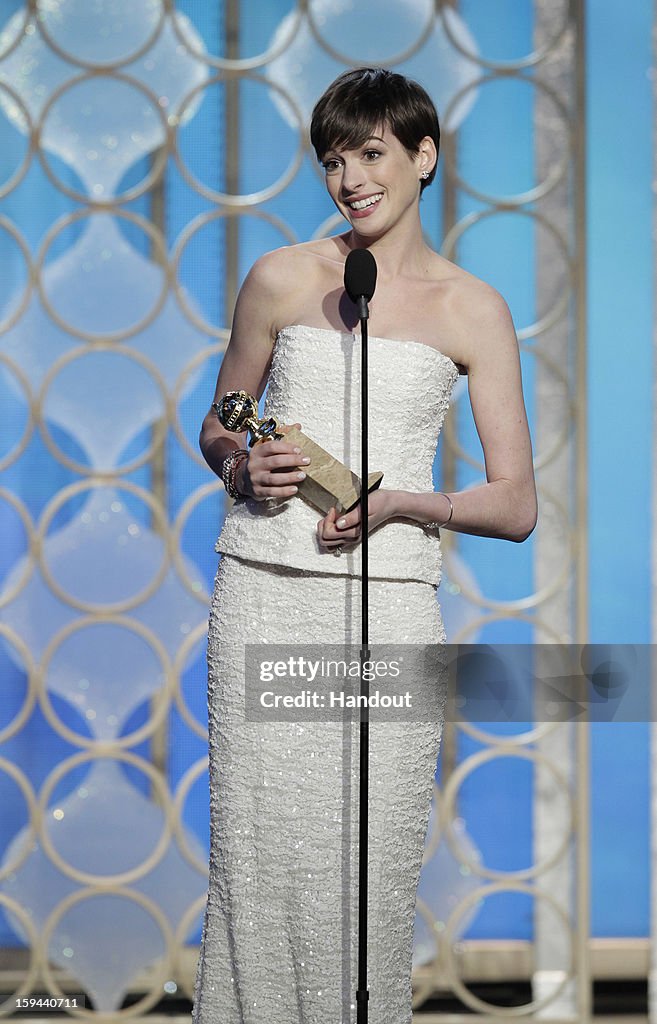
(328, 484)
(323, 500)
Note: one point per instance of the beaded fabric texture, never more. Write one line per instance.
(314, 380)
(279, 942)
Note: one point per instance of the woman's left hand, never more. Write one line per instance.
(381, 505)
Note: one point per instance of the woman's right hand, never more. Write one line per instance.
(271, 470)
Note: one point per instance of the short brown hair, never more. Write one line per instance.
(360, 100)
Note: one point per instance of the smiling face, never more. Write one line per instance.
(377, 184)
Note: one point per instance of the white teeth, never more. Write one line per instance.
(361, 204)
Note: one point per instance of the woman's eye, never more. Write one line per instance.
(372, 154)
(330, 165)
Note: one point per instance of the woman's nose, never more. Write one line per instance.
(352, 178)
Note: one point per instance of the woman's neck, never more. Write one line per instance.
(396, 253)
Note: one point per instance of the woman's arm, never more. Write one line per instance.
(505, 506)
(245, 366)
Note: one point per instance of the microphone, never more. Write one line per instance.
(360, 279)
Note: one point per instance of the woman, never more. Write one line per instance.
(280, 932)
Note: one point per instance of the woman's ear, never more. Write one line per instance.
(427, 155)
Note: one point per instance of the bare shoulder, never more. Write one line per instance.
(469, 297)
(286, 263)
(479, 318)
(275, 268)
(275, 277)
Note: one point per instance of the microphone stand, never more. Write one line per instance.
(362, 992)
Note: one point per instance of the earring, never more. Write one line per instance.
(425, 175)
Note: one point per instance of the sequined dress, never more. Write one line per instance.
(279, 940)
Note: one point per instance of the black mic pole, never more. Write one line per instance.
(360, 281)
(362, 992)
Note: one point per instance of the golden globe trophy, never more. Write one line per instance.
(328, 482)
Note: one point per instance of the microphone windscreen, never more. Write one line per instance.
(360, 274)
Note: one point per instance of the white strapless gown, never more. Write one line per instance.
(279, 943)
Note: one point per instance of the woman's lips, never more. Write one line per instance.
(366, 210)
